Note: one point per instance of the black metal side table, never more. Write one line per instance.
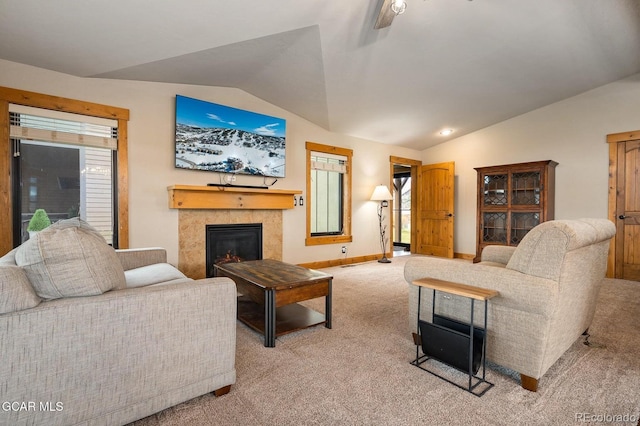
(457, 344)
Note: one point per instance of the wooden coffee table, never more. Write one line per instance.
(270, 290)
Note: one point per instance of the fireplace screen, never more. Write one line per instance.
(232, 243)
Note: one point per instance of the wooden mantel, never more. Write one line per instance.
(229, 197)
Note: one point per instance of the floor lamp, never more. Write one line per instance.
(382, 194)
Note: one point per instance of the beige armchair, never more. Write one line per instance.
(548, 288)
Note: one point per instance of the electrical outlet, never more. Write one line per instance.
(344, 249)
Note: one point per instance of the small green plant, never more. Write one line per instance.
(39, 221)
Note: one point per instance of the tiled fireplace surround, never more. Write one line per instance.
(192, 234)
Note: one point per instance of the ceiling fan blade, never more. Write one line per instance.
(386, 15)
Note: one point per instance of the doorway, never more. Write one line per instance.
(432, 207)
(624, 205)
(404, 172)
(401, 209)
(436, 210)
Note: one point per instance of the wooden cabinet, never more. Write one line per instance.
(512, 199)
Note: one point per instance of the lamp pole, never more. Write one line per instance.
(383, 232)
(381, 193)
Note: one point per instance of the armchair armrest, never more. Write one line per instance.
(136, 258)
(521, 292)
(497, 254)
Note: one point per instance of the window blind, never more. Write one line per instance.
(53, 126)
(328, 162)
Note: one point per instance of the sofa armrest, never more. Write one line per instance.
(136, 258)
(114, 357)
(497, 254)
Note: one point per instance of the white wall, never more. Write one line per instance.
(572, 132)
(151, 157)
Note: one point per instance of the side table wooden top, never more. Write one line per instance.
(457, 288)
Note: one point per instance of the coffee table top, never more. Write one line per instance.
(270, 273)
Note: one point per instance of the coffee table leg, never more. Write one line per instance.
(327, 308)
(269, 319)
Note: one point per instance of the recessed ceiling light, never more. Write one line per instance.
(446, 132)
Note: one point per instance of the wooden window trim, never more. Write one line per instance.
(38, 100)
(346, 237)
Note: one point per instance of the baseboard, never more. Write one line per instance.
(339, 262)
(464, 256)
(367, 258)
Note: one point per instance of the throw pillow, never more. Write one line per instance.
(16, 292)
(9, 258)
(68, 259)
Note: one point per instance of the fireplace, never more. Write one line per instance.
(192, 235)
(232, 243)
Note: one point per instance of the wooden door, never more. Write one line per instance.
(627, 212)
(435, 210)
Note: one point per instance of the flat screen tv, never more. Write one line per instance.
(218, 138)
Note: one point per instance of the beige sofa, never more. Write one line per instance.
(94, 336)
(548, 289)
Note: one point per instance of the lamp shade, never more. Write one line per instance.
(381, 193)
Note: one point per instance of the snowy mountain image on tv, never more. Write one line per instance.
(223, 139)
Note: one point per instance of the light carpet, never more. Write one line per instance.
(359, 372)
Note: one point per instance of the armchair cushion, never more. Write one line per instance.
(497, 255)
(159, 273)
(135, 258)
(69, 259)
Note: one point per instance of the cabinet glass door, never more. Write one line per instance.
(495, 190)
(525, 188)
(494, 227)
(521, 223)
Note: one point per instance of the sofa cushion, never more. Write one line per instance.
(16, 292)
(68, 259)
(158, 273)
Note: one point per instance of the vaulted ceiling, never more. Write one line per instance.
(456, 64)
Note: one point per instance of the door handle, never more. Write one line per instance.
(622, 216)
(450, 215)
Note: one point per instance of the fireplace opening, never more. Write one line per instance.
(232, 243)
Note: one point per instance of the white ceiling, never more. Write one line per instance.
(443, 64)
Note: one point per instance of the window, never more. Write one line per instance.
(66, 181)
(328, 194)
(72, 163)
(63, 164)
